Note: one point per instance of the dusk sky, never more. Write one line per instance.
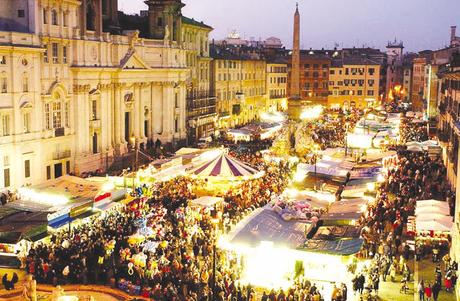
(420, 24)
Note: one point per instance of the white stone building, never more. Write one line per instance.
(73, 97)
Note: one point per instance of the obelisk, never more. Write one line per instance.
(294, 103)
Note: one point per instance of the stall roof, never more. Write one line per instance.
(267, 225)
(346, 209)
(335, 240)
(207, 201)
(344, 247)
(22, 225)
(72, 189)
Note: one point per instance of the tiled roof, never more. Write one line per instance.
(194, 22)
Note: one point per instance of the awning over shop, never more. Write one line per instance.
(335, 240)
(207, 201)
(267, 225)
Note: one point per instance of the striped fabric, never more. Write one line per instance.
(223, 166)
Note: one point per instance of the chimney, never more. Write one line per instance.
(452, 33)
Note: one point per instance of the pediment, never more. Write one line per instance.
(132, 61)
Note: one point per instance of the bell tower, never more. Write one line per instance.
(165, 19)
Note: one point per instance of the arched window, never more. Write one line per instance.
(54, 17)
(45, 16)
(25, 83)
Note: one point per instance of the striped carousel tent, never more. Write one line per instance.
(225, 167)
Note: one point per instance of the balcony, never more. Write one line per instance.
(62, 155)
(200, 95)
(95, 123)
(201, 112)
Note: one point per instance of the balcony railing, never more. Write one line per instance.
(201, 103)
(62, 155)
(201, 112)
(200, 95)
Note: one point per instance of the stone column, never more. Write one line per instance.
(116, 115)
(98, 19)
(157, 109)
(136, 115)
(121, 114)
(83, 18)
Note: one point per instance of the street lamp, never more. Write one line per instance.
(316, 148)
(346, 138)
(124, 176)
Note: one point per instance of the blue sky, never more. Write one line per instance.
(420, 24)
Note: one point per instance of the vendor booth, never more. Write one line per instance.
(68, 199)
(345, 212)
(276, 251)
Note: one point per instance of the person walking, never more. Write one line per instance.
(421, 291)
(428, 292)
(435, 289)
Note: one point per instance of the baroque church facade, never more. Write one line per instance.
(76, 91)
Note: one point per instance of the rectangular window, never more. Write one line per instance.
(57, 115)
(94, 109)
(6, 177)
(45, 16)
(25, 84)
(6, 125)
(64, 54)
(360, 92)
(27, 168)
(315, 66)
(55, 53)
(47, 116)
(371, 71)
(331, 72)
(54, 17)
(48, 172)
(67, 167)
(2, 60)
(26, 122)
(45, 54)
(370, 92)
(176, 125)
(66, 113)
(21, 13)
(4, 84)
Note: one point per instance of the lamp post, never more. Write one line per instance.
(315, 160)
(346, 139)
(135, 159)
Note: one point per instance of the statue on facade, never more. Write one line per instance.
(133, 39)
(167, 35)
(29, 291)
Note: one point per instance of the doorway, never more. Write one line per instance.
(57, 170)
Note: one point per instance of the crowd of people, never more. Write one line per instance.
(158, 246)
(413, 131)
